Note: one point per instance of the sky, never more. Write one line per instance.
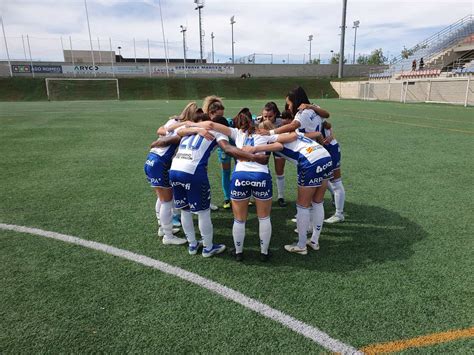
(274, 29)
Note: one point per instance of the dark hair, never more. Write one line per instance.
(286, 115)
(297, 96)
(199, 116)
(243, 120)
(216, 106)
(271, 106)
(221, 120)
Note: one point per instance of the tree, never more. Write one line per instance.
(407, 52)
(315, 61)
(362, 59)
(374, 58)
(335, 59)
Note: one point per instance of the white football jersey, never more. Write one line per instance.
(309, 121)
(327, 133)
(194, 151)
(168, 151)
(241, 139)
(303, 151)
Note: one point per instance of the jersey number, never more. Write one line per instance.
(191, 142)
(304, 139)
(249, 141)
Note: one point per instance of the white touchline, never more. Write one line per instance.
(297, 326)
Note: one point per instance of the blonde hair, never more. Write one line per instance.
(188, 112)
(266, 124)
(208, 101)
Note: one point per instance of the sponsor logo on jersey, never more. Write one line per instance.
(261, 194)
(324, 167)
(237, 194)
(316, 180)
(187, 186)
(262, 183)
(180, 202)
(150, 162)
(186, 156)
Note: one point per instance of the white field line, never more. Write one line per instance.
(297, 326)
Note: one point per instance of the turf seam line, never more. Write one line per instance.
(441, 129)
(306, 330)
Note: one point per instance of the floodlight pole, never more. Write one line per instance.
(340, 73)
(24, 48)
(90, 37)
(212, 43)
(164, 41)
(232, 21)
(6, 47)
(310, 39)
(183, 31)
(355, 27)
(31, 58)
(200, 5)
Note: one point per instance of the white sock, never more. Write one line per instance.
(238, 233)
(331, 189)
(166, 218)
(281, 186)
(339, 196)
(157, 209)
(205, 227)
(188, 227)
(265, 233)
(302, 223)
(318, 219)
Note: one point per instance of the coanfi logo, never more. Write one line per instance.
(262, 183)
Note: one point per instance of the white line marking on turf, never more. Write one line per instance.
(294, 324)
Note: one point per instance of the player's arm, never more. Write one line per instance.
(240, 154)
(322, 113)
(165, 141)
(316, 136)
(163, 131)
(189, 131)
(271, 147)
(290, 127)
(209, 125)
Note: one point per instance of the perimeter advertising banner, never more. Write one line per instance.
(104, 69)
(194, 69)
(40, 69)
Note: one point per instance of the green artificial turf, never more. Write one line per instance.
(399, 267)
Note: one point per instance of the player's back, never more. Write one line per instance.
(309, 120)
(303, 151)
(167, 152)
(194, 151)
(244, 139)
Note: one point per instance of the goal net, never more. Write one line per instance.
(82, 89)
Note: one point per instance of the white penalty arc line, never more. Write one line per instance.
(294, 324)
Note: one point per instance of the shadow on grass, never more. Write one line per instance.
(369, 235)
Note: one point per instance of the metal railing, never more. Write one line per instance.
(436, 44)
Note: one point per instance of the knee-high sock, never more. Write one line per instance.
(281, 186)
(205, 227)
(157, 209)
(318, 219)
(238, 233)
(166, 218)
(331, 189)
(339, 196)
(225, 174)
(302, 223)
(265, 233)
(188, 226)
